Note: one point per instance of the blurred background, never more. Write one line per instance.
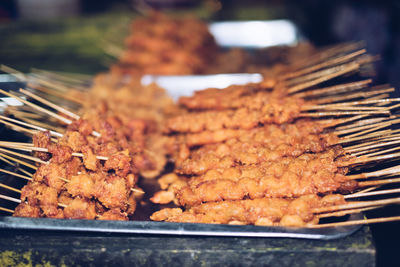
(84, 36)
(71, 35)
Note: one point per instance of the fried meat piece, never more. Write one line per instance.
(112, 192)
(42, 139)
(89, 159)
(113, 215)
(27, 210)
(120, 163)
(80, 208)
(81, 185)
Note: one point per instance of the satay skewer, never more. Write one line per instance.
(359, 204)
(346, 212)
(356, 222)
(42, 149)
(15, 165)
(48, 112)
(48, 103)
(6, 210)
(31, 126)
(373, 193)
(18, 161)
(23, 156)
(16, 174)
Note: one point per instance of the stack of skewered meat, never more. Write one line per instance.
(280, 152)
(248, 155)
(164, 45)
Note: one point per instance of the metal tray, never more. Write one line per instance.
(142, 224)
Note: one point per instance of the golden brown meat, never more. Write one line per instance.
(80, 208)
(263, 211)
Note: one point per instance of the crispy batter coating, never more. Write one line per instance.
(269, 143)
(26, 210)
(276, 111)
(80, 208)
(113, 215)
(290, 177)
(263, 211)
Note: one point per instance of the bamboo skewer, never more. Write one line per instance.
(42, 149)
(387, 171)
(378, 94)
(10, 188)
(373, 193)
(346, 212)
(379, 182)
(7, 210)
(48, 112)
(16, 200)
(31, 126)
(19, 128)
(334, 61)
(16, 174)
(338, 71)
(19, 161)
(361, 204)
(347, 87)
(16, 165)
(23, 156)
(357, 222)
(48, 103)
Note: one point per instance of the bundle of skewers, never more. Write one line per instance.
(284, 152)
(279, 152)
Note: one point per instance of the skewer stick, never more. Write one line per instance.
(10, 188)
(56, 107)
(379, 182)
(361, 123)
(341, 107)
(7, 210)
(18, 161)
(382, 152)
(16, 175)
(346, 212)
(18, 128)
(334, 61)
(137, 190)
(387, 171)
(48, 103)
(338, 71)
(31, 126)
(364, 159)
(42, 149)
(23, 156)
(368, 147)
(357, 222)
(374, 193)
(16, 200)
(334, 122)
(346, 87)
(378, 94)
(362, 127)
(363, 133)
(17, 167)
(19, 75)
(343, 113)
(361, 204)
(365, 137)
(48, 112)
